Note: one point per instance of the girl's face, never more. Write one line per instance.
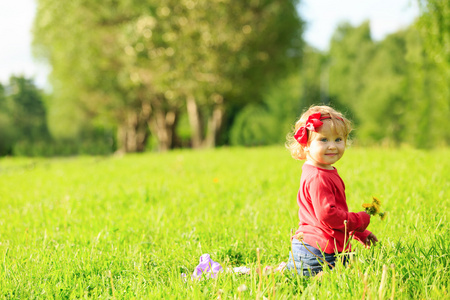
(326, 147)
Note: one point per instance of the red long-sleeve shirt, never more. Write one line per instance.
(323, 209)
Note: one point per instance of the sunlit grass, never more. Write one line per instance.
(127, 227)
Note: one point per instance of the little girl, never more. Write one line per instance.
(326, 225)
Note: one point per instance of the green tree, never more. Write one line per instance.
(6, 127)
(23, 120)
(27, 110)
(394, 88)
(351, 48)
(268, 122)
(432, 65)
(383, 103)
(434, 24)
(81, 40)
(283, 103)
(137, 64)
(314, 78)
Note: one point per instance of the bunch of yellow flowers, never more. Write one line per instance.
(374, 208)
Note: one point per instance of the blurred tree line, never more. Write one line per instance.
(131, 75)
(24, 129)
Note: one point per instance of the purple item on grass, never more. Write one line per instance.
(207, 265)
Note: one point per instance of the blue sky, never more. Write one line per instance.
(322, 17)
(386, 16)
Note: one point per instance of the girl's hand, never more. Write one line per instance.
(370, 240)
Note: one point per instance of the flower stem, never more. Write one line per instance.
(345, 240)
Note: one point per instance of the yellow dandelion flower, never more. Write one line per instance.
(376, 208)
(370, 209)
(376, 201)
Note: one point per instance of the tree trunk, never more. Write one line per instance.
(162, 123)
(214, 125)
(194, 122)
(163, 126)
(132, 133)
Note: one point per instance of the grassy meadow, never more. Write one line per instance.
(128, 227)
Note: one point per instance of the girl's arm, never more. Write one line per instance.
(361, 236)
(366, 238)
(327, 212)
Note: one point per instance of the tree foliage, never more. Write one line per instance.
(283, 101)
(351, 50)
(434, 24)
(6, 128)
(434, 67)
(201, 73)
(393, 87)
(140, 64)
(22, 115)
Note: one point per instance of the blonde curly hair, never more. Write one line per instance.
(338, 122)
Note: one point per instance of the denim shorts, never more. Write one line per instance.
(306, 263)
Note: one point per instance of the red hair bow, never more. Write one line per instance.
(311, 124)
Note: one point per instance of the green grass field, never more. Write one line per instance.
(128, 227)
